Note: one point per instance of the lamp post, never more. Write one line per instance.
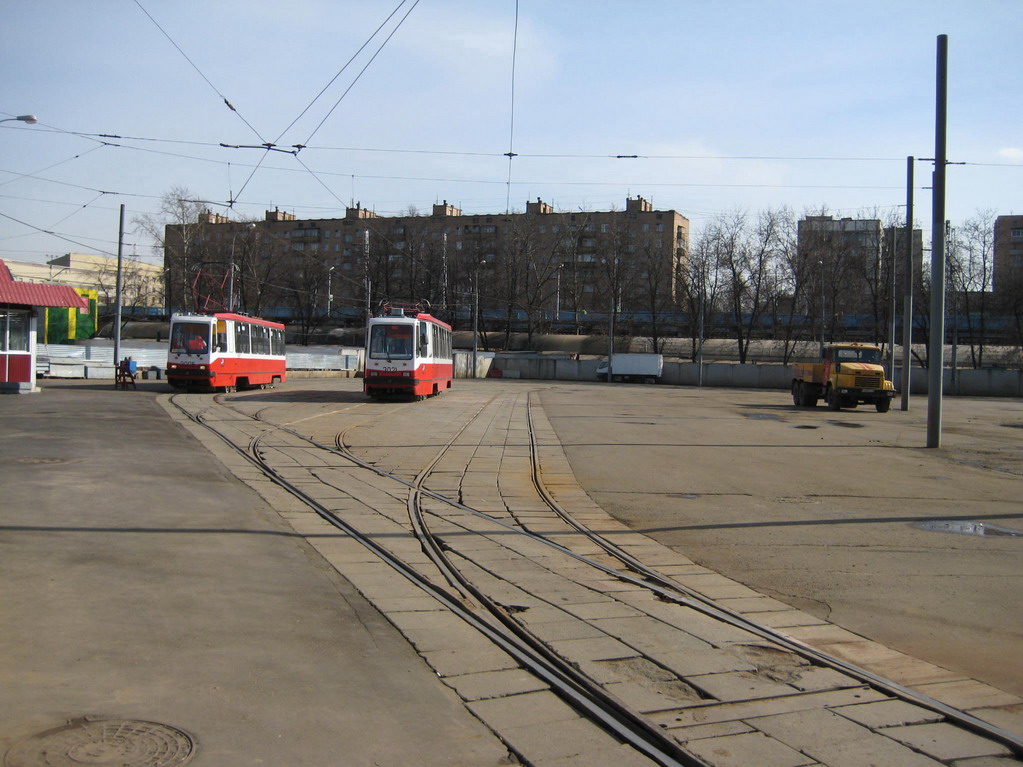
(476, 315)
(330, 296)
(821, 265)
(30, 119)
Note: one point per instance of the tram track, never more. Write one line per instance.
(575, 688)
(504, 626)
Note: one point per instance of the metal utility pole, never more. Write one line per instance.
(907, 289)
(935, 353)
(476, 317)
(365, 275)
(117, 292)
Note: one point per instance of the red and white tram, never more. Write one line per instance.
(408, 354)
(225, 351)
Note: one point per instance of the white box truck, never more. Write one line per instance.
(637, 368)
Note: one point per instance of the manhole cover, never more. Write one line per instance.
(965, 527)
(120, 742)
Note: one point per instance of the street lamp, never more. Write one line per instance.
(330, 296)
(821, 265)
(476, 316)
(30, 119)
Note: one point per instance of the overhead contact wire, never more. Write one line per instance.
(196, 68)
(362, 71)
(342, 70)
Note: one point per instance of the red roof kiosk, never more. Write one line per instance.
(18, 318)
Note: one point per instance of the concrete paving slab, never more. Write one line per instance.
(888, 713)
(838, 742)
(945, 742)
(746, 749)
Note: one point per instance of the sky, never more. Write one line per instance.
(707, 108)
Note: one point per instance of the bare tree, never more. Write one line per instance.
(970, 264)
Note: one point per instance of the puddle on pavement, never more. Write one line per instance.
(764, 416)
(847, 424)
(806, 426)
(966, 527)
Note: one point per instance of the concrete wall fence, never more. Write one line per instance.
(97, 362)
(987, 382)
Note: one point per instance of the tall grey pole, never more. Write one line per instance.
(935, 353)
(365, 273)
(476, 317)
(907, 289)
(892, 304)
(117, 291)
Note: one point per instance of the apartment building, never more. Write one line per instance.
(1008, 254)
(541, 262)
(141, 283)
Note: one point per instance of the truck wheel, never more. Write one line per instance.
(834, 399)
(883, 405)
(797, 393)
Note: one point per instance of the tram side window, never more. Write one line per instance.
(260, 339)
(190, 338)
(220, 337)
(443, 343)
(241, 338)
(277, 342)
(424, 339)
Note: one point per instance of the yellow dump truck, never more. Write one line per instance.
(848, 375)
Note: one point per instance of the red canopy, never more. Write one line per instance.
(33, 294)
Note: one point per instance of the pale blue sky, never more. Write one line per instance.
(707, 93)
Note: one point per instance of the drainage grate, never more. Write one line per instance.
(121, 742)
(965, 527)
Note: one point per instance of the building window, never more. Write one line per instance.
(1017, 233)
(14, 330)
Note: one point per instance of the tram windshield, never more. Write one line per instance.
(190, 338)
(391, 342)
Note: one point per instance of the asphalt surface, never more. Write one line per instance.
(142, 581)
(822, 509)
